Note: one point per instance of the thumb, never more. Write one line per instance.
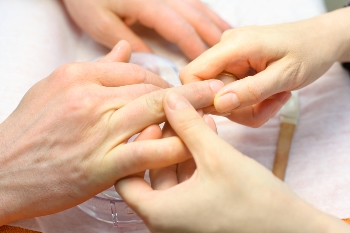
(251, 90)
(120, 53)
(190, 126)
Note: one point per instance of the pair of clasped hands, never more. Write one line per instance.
(66, 141)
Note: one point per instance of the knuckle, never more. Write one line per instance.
(257, 119)
(199, 95)
(188, 31)
(79, 101)
(241, 35)
(139, 73)
(67, 73)
(255, 91)
(150, 88)
(153, 103)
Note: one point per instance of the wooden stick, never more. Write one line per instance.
(282, 152)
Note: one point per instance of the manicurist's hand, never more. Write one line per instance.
(228, 192)
(271, 61)
(187, 23)
(65, 142)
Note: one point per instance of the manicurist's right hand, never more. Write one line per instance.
(228, 192)
(269, 62)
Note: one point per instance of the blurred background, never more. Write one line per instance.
(335, 4)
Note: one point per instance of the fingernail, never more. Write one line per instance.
(118, 45)
(227, 102)
(225, 114)
(216, 85)
(176, 101)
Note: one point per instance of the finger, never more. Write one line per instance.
(112, 98)
(151, 132)
(139, 156)
(250, 90)
(232, 56)
(110, 74)
(210, 122)
(173, 28)
(121, 52)
(150, 107)
(203, 25)
(257, 114)
(165, 177)
(209, 64)
(132, 190)
(222, 24)
(112, 29)
(192, 129)
(185, 170)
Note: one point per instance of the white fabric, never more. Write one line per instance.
(37, 36)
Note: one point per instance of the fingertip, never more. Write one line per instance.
(140, 46)
(216, 85)
(210, 121)
(151, 132)
(174, 101)
(224, 26)
(226, 102)
(131, 188)
(121, 52)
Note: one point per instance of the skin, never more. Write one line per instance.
(187, 23)
(65, 142)
(228, 192)
(270, 61)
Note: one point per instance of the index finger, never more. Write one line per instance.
(209, 64)
(111, 74)
(199, 138)
(148, 109)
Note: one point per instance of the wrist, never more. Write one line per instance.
(297, 216)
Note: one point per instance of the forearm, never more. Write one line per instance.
(337, 25)
(297, 216)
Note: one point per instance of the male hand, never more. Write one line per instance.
(66, 141)
(187, 23)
